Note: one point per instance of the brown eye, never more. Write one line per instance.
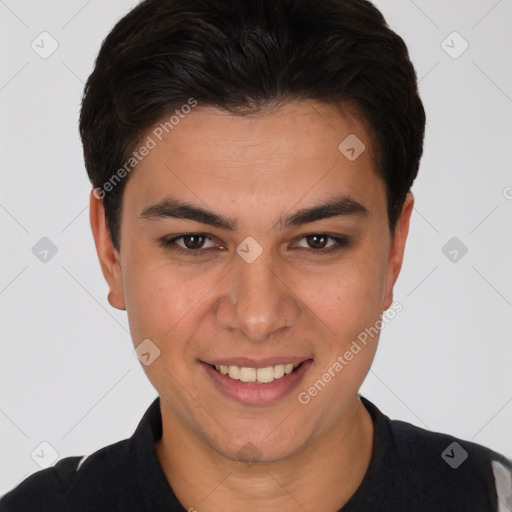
(193, 241)
(190, 243)
(317, 241)
(321, 243)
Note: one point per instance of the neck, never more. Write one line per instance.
(322, 477)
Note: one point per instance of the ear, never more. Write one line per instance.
(396, 253)
(107, 254)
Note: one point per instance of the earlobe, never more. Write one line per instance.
(396, 253)
(107, 254)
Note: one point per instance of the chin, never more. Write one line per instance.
(260, 448)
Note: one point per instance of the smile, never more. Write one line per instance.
(263, 375)
(257, 382)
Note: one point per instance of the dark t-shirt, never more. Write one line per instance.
(411, 469)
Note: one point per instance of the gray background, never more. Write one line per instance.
(68, 375)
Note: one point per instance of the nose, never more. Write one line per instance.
(257, 300)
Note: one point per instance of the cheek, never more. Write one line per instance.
(348, 303)
(346, 298)
(163, 301)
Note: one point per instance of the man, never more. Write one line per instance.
(252, 164)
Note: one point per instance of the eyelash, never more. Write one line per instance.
(170, 244)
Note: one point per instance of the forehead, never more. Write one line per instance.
(299, 152)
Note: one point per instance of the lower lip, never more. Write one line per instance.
(254, 393)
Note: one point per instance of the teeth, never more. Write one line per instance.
(234, 372)
(263, 375)
(247, 374)
(278, 371)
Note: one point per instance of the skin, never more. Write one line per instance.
(289, 301)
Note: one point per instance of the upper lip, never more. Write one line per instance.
(257, 363)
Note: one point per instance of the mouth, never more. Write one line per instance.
(262, 375)
(257, 383)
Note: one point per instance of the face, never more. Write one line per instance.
(255, 243)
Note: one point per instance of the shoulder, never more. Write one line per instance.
(74, 483)
(411, 441)
(40, 490)
(459, 471)
(418, 469)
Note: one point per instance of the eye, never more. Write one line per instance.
(318, 242)
(190, 243)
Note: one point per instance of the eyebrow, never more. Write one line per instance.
(341, 206)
